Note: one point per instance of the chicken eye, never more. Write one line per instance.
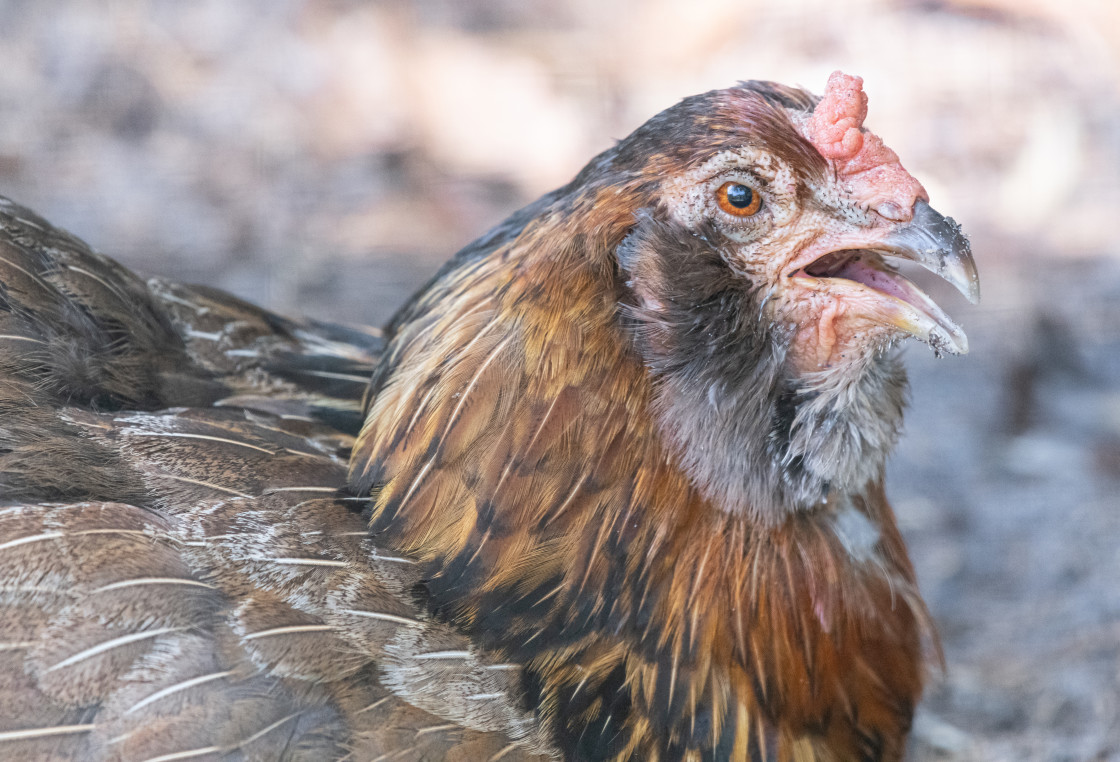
(738, 199)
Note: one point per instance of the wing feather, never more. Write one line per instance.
(180, 575)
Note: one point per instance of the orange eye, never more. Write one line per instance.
(738, 199)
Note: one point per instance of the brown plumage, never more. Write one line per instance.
(186, 583)
(617, 495)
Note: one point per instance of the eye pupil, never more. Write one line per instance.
(740, 196)
(738, 199)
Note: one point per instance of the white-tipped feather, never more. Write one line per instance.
(109, 645)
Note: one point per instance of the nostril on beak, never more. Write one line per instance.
(889, 210)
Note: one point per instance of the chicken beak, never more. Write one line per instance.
(937, 243)
(857, 272)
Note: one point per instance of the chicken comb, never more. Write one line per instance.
(869, 169)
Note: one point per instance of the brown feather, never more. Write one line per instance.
(190, 583)
(515, 452)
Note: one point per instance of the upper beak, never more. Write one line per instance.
(937, 243)
(857, 271)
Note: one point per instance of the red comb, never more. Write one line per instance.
(835, 125)
(870, 170)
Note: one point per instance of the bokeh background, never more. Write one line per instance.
(323, 158)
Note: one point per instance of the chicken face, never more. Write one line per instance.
(767, 301)
(819, 244)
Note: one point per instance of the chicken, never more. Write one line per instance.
(617, 492)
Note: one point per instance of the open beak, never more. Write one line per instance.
(930, 239)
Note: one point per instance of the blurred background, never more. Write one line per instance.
(323, 158)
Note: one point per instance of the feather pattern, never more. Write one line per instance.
(569, 570)
(180, 575)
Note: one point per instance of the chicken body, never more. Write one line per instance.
(617, 494)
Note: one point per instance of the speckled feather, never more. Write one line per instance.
(180, 576)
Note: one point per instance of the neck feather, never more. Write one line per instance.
(516, 444)
(754, 436)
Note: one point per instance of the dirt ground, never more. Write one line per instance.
(324, 157)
